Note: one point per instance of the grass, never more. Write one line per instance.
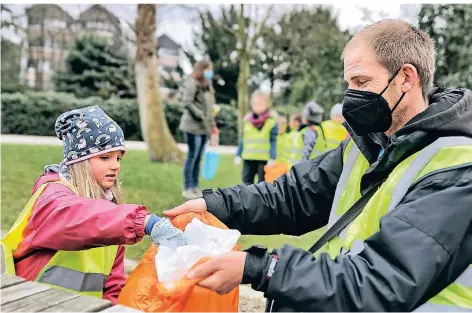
(157, 185)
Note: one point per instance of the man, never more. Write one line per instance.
(410, 248)
(333, 129)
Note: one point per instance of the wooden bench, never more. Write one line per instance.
(19, 295)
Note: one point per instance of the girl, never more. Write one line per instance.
(72, 231)
(258, 144)
(196, 123)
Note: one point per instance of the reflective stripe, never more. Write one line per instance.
(256, 150)
(420, 162)
(347, 169)
(465, 279)
(255, 141)
(332, 141)
(74, 280)
(431, 307)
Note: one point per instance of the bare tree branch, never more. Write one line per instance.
(260, 28)
(242, 26)
(133, 26)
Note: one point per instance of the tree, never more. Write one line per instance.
(10, 20)
(247, 33)
(10, 51)
(156, 133)
(11, 67)
(450, 25)
(311, 43)
(94, 67)
(219, 45)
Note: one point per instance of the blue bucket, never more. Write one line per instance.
(210, 164)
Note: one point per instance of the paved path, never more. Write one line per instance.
(54, 141)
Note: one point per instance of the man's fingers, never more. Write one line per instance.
(203, 270)
(212, 282)
(181, 209)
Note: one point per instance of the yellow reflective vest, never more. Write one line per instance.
(84, 271)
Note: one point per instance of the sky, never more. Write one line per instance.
(181, 23)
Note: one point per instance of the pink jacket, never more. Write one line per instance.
(61, 220)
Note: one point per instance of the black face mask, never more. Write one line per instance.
(367, 112)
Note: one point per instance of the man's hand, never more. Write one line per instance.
(197, 206)
(222, 273)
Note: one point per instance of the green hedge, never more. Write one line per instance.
(35, 113)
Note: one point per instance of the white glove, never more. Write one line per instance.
(271, 162)
(163, 230)
(237, 160)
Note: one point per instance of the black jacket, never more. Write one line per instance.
(423, 246)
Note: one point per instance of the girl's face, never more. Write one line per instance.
(106, 167)
(294, 124)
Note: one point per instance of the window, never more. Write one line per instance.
(31, 76)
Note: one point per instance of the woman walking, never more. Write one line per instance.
(196, 123)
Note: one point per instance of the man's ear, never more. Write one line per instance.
(411, 77)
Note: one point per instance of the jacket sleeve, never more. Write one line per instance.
(297, 202)
(239, 150)
(116, 280)
(309, 141)
(273, 142)
(61, 220)
(423, 245)
(190, 89)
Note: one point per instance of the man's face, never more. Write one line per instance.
(362, 71)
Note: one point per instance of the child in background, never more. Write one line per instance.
(312, 134)
(258, 144)
(72, 232)
(282, 139)
(295, 122)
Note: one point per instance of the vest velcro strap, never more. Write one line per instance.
(74, 280)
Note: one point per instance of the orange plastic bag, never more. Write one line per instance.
(143, 291)
(272, 172)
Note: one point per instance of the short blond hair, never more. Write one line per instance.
(396, 42)
(85, 184)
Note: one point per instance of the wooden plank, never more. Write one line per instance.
(10, 280)
(40, 301)
(21, 291)
(81, 304)
(121, 308)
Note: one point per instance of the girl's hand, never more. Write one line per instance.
(164, 231)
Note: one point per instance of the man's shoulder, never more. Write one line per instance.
(446, 178)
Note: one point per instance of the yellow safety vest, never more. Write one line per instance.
(256, 142)
(334, 133)
(282, 141)
(444, 153)
(83, 271)
(295, 150)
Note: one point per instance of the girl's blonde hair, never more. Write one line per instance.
(85, 184)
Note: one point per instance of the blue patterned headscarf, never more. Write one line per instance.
(85, 133)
